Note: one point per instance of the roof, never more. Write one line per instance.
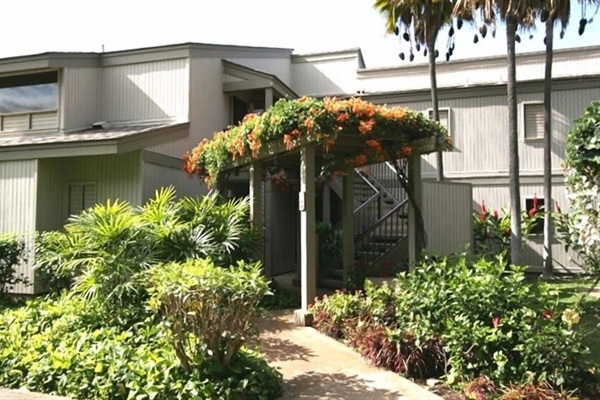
(112, 140)
(248, 73)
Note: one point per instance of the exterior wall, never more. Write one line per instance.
(208, 106)
(18, 185)
(148, 91)
(158, 176)
(281, 67)
(447, 214)
(319, 77)
(496, 196)
(484, 71)
(80, 98)
(115, 177)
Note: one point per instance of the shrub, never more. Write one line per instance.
(12, 252)
(209, 309)
(65, 347)
(106, 248)
(579, 229)
(281, 298)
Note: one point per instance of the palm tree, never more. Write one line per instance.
(516, 14)
(553, 11)
(426, 19)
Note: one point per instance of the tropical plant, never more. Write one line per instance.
(515, 14)
(579, 228)
(424, 19)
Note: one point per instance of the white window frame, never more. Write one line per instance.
(448, 110)
(83, 184)
(523, 121)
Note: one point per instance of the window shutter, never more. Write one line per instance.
(81, 197)
(534, 121)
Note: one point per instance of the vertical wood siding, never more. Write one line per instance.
(157, 176)
(280, 67)
(448, 216)
(81, 92)
(50, 192)
(209, 106)
(18, 185)
(146, 91)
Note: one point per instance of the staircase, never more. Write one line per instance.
(380, 218)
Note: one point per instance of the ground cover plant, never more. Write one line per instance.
(131, 279)
(460, 319)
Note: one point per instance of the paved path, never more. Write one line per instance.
(316, 367)
(6, 394)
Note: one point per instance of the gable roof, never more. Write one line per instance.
(251, 78)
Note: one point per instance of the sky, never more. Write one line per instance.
(303, 25)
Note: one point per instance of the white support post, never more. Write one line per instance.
(268, 98)
(348, 224)
(415, 185)
(308, 237)
(256, 205)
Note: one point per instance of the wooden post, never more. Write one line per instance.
(268, 98)
(308, 240)
(348, 224)
(414, 228)
(256, 208)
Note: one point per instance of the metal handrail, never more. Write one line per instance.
(380, 220)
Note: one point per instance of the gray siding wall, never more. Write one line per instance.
(158, 176)
(18, 185)
(115, 177)
(146, 91)
(80, 98)
(447, 213)
(280, 67)
(325, 77)
(208, 106)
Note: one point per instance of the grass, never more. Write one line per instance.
(571, 292)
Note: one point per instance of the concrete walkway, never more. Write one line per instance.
(316, 367)
(6, 394)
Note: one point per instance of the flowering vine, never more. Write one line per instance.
(325, 122)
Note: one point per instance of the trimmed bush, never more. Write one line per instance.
(209, 309)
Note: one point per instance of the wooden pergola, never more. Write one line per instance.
(317, 152)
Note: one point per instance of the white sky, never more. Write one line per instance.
(30, 27)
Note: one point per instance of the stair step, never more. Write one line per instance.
(331, 283)
(337, 273)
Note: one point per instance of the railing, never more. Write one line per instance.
(383, 236)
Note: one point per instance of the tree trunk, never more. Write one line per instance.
(435, 102)
(548, 203)
(513, 145)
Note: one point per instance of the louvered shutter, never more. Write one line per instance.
(534, 121)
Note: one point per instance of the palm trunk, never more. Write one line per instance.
(513, 145)
(435, 102)
(548, 203)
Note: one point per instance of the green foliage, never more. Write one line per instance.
(330, 245)
(209, 308)
(491, 230)
(579, 229)
(66, 347)
(281, 298)
(105, 249)
(49, 257)
(12, 252)
(463, 319)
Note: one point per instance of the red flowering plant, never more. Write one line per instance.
(491, 229)
(289, 123)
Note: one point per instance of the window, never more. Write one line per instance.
(444, 117)
(533, 116)
(81, 197)
(29, 102)
(533, 206)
